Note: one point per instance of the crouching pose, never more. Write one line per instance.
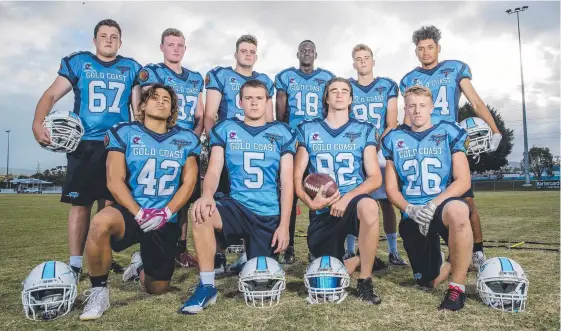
(151, 172)
(426, 174)
(254, 153)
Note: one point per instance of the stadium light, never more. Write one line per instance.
(524, 124)
(8, 160)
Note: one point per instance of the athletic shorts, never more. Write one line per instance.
(157, 248)
(86, 180)
(240, 222)
(380, 193)
(327, 234)
(468, 194)
(424, 252)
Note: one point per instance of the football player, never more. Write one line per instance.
(299, 97)
(375, 101)
(151, 170)
(188, 86)
(447, 80)
(258, 155)
(223, 101)
(102, 85)
(426, 174)
(345, 149)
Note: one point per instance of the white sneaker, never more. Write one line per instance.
(97, 303)
(131, 272)
(477, 260)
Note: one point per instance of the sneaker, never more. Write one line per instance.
(348, 255)
(237, 266)
(97, 302)
(186, 260)
(219, 264)
(289, 257)
(477, 260)
(77, 273)
(379, 265)
(204, 296)
(116, 267)
(395, 259)
(365, 292)
(453, 300)
(131, 272)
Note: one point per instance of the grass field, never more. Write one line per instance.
(33, 229)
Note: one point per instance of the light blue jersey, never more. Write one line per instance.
(252, 159)
(423, 160)
(444, 83)
(186, 85)
(304, 93)
(337, 152)
(228, 82)
(102, 90)
(154, 161)
(370, 103)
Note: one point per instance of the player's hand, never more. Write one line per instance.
(151, 219)
(414, 213)
(280, 239)
(320, 201)
(495, 141)
(427, 212)
(339, 207)
(203, 209)
(41, 134)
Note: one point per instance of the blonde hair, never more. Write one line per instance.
(149, 94)
(172, 32)
(362, 47)
(417, 90)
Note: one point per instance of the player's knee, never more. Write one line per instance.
(100, 226)
(156, 287)
(368, 212)
(456, 214)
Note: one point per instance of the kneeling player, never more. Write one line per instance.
(345, 149)
(151, 172)
(253, 152)
(426, 174)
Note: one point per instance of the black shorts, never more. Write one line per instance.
(468, 194)
(424, 252)
(240, 222)
(223, 183)
(85, 174)
(157, 248)
(327, 234)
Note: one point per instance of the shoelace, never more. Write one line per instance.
(454, 294)
(93, 297)
(367, 287)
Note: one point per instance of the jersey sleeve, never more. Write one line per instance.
(290, 143)
(196, 149)
(387, 146)
(392, 92)
(70, 69)
(403, 85)
(114, 141)
(458, 138)
(464, 71)
(217, 137)
(149, 76)
(280, 85)
(212, 81)
(301, 136)
(201, 84)
(371, 136)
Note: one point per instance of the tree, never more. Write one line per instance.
(540, 160)
(498, 158)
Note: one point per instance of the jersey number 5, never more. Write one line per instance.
(254, 171)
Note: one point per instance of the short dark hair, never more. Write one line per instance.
(149, 94)
(306, 41)
(426, 32)
(326, 92)
(107, 22)
(254, 83)
(246, 38)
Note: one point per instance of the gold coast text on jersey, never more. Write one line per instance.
(253, 147)
(103, 75)
(143, 151)
(421, 151)
(334, 147)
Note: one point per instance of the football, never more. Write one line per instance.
(314, 181)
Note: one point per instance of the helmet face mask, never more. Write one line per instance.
(479, 134)
(326, 280)
(502, 284)
(262, 281)
(65, 129)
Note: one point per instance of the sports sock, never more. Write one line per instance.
(99, 281)
(351, 240)
(207, 277)
(478, 247)
(76, 261)
(392, 242)
(459, 287)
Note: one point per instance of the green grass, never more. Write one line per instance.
(33, 229)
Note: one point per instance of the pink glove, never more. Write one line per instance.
(152, 218)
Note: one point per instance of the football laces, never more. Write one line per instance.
(311, 187)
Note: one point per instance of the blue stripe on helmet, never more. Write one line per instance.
(506, 266)
(261, 263)
(48, 270)
(470, 123)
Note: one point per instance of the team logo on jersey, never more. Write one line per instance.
(136, 141)
(194, 82)
(291, 81)
(207, 79)
(123, 69)
(352, 135)
(233, 135)
(380, 89)
(417, 81)
(171, 81)
(143, 75)
(437, 138)
(316, 138)
(180, 143)
(319, 81)
(88, 66)
(446, 71)
(400, 144)
(272, 137)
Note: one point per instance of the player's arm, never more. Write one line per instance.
(135, 100)
(479, 106)
(281, 106)
(287, 193)
(300, 165)
(116, 181)
(392, 187)
(212, 103)
(199, 113)
(60, 87)
(188, 181)
(269, 112)
(212, 176)
(391, 117)
(462, 179)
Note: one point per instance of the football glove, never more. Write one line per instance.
(415, 213)
(152, 218)
(427, 212)
(495, 141)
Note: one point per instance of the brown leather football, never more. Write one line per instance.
(314, 181)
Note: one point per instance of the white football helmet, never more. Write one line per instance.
(502, 284)
(479, 134)
(262, 281)
(326, 280)
(49, 291)
(65, 129)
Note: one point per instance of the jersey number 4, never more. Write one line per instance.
(441, 101)
(154, 186)
(97, 101)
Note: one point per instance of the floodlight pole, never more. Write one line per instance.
(524, 123)
(8, 160)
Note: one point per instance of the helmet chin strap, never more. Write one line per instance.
(477, 157)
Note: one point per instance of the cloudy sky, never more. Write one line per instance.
(35, 36)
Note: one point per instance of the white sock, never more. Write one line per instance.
(456, 285)
(207, 277)
(76, 261)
